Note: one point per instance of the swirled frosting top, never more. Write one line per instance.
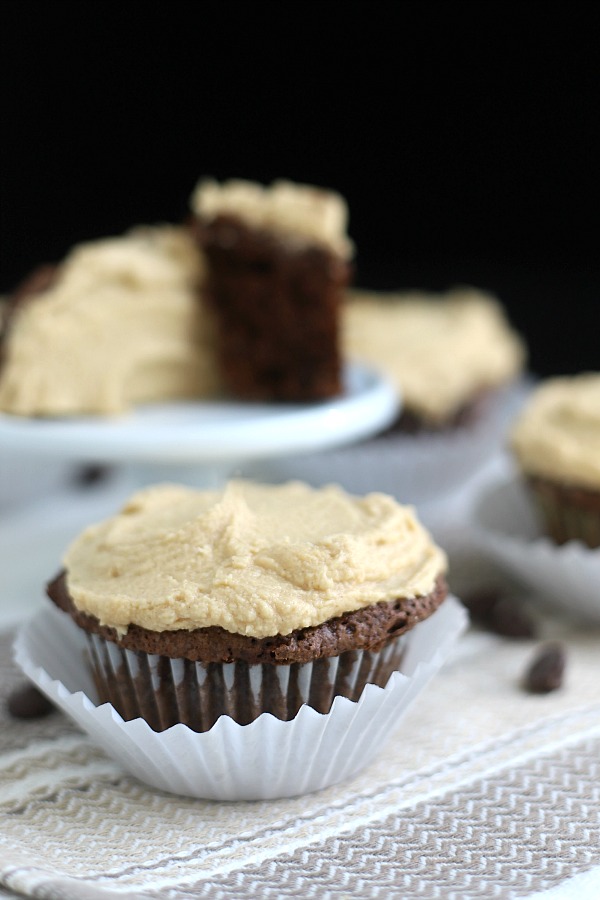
(557, 435)
(254, 559)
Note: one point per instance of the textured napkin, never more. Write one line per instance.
(486, 791)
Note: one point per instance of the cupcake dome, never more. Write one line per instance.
(556, 442)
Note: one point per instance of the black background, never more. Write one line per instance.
(464, 136)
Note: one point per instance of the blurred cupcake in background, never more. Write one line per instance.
(556, 442)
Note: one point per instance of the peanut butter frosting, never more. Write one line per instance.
(298, 212)
(120, 324)
(557, 435)
(440, 350)
(257, 560)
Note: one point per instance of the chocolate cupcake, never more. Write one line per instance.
(556, 441)
(199, 604)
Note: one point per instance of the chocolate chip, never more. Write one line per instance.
(86, 476)
(26, 702)
(509, 618)
(506, 616)
(480, 603)
(545, 673)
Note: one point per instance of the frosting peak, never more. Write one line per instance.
(300, 212)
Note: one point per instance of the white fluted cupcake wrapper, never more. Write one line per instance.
(566, 576)
(266, 759)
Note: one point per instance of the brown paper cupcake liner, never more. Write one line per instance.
(567, 513)
(165, 691)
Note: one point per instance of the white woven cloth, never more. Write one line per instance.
(484, 792)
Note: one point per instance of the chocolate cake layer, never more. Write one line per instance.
(369, 628)
(277, 302)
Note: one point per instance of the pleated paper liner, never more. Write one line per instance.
(564, 576)
(265, 759)
(567, 513)
(165, 691)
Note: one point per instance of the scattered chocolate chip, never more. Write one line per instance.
(480, 603)
(26, 702)
(506, 616)
(86, 476)
(509, 618)
(546, 671)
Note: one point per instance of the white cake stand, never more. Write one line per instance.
(200, 444)
(207, 441)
